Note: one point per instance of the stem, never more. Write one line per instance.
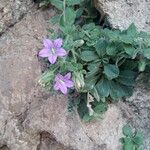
(64, 10)
(73, 54)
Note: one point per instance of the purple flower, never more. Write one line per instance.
(52, 50)
(63, 82)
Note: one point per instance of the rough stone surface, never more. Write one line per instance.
(31, 118)
(121, 13)
(11, 11)
(139, 106)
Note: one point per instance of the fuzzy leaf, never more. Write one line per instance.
(57, 3)
(111, 71)
(101, 47)
(73, 2)
(147, 53)
(88, 56)
(111, 49)
(103, 88)
(130, 50)
(127, 131)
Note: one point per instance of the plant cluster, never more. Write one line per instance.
(132, 140)
(99, 65)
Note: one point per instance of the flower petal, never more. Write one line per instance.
(59, 77)
(69, 83)
(61, 52)
(48, 43)
(63, 88)
(52, 58)
(58, 43)
(56, 86)
(68, 75)
(44, 53)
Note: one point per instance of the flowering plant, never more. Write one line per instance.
(97, 64)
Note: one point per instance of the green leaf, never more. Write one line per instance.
(103, 88)
(55, 19)
(58, 4)
(113, 35)
(129, 146)
(73, 2)
(127, 39)
(111, 71)
(127, 131)
(132, 31)
(88, 56)
(100, 108)
(139, 138)
(111, 49)
(147, 53)
(126, 77)
(118, 91)
(68, 18)
(87, 118)
(101, 47)
(95, 94)
(131, 51)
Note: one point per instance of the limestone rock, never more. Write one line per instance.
(121, 13)
(139, 104)
(11, 11)
(29, 113)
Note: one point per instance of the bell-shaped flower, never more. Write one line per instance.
(52, 50)
(62, 83)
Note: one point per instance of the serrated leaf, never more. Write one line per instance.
(55, 19)
(100, 108)
(103, 88)
(127, 131)
(132, 31)
(101, 47)
(95, 94)
(126, 77)
(147, 53)
(68, 18)
(58, 4)
(127, 39)
(89, 56)
(129, 146)
(111, 71)
(113, 35)
(73, 2)
(118, 91)
(131, 51)
(111, 49)
(139, 138)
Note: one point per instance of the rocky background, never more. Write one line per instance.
(33, 119)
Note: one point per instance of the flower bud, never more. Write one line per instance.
(46, 78)
(78, 43)
(78, 80)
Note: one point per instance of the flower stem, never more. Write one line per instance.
(64, 10)
(73, 54)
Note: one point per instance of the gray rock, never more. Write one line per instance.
(11, 11)
(121, 13)
(139, 104)
(29, 113)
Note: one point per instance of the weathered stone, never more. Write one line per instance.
(139, 105)
(19, 70)
(11, 11)
(26, 110)
(121, 13)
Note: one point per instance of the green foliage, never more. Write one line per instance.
(132, 140)
(103, 62)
